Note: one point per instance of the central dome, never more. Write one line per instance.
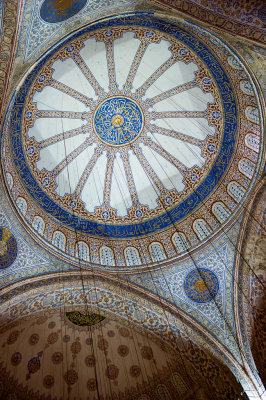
(118, 121)
(144, 133)
(129, 129)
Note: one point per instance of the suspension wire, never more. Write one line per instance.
(162, 306)
(200, 273)
(129, 323)
(238, 284)
(173, 223)
(207, 237)
(202, 277)
(249, 212)
(125, 275)
(62, 270)
(81, 276)
(212, 297)
(234, 245)
(194, 123)
(99, 200)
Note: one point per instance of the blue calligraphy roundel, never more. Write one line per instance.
(201, 285)
(54, 11)
(118, 121)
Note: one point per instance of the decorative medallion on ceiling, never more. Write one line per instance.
(201, 285)
(131, 127)
(54, 11)
(8, 248)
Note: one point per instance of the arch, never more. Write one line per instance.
(234, 63)
(107, 256)
(163, 393)
(9, 180)
(253, 142)
(201, 228)
(179, 383)
(51, 292)
(246, 167)
(59, 240)
(180, 242)
(132, 256)
(252, 114)
(249, 302)
(221, 212)
(157, 252)
(38, 224)
(236, 191)
(246, 88)
(22, 205)
(82, 251)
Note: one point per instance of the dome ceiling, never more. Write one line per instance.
(128, 129)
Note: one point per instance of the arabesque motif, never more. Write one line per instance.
(118, 121)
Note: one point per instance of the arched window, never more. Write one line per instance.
(234, 63)
(38, 224)
(59, 240)
(179, 384)
(107, 256)
(82, 251)
(246, 167)
(132, 256)
(22, 205)
(9, 180)
(220, 211)
(163, 393)
(246, 87)
(157, 252)
(252, 114)
(180, 242)
(201, 229)
(236, 191)
(253, 142)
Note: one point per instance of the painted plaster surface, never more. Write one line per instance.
(38, 34)
(245, 18)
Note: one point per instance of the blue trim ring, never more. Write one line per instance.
(181, 210)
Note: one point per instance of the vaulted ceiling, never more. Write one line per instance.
(132, 199)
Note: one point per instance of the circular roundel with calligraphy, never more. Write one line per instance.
(128, 129)
(118, 121)
(8, 248)
(201, 285)
(54, 11)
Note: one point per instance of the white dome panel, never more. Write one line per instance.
(93, 191)
(70, 74)
(53, 99)
(178, 74)
(94, 55)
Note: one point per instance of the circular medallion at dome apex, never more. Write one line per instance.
(201, 285)
(118, 121)
(8, 248)
(79, 169)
